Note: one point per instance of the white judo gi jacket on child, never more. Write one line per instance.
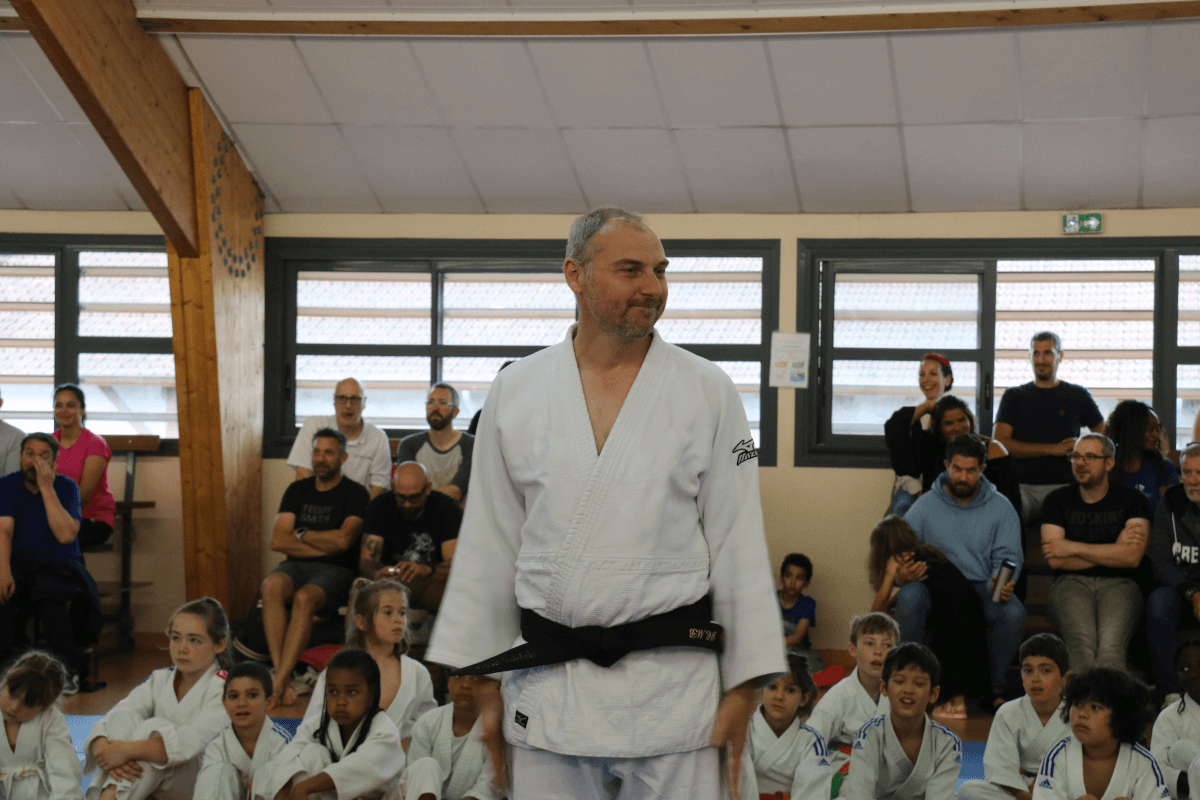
(227, 773)
(796, 763)
(372, 770)
(43, 765)
(666, 513)
(447, 766)
(1017, 741)
(413, 698)
(1175, 741)
(842, 712)
(1136, 774)
(880, 769)
(186, 727)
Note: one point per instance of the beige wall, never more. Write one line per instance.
(825, 513)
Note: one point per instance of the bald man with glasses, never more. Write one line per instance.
(369, 456)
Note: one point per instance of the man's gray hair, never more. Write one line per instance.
(584, 228)
(1106, 444)
(1192, 450)
(443, 385)
(1046, 336)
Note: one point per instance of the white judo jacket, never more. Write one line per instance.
(667, 513)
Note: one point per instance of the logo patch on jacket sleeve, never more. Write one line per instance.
(745, 450)
(521, 719)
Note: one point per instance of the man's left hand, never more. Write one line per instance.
(1006, 591)
(409, 571)
(729, 730)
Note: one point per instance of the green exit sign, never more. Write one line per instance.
(1083, 223)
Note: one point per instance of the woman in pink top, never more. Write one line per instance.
(84, 458)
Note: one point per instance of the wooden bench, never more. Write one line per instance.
(129, 447)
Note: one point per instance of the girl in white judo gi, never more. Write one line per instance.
(378, 625)
(1026, 728)
(151, 742)
(1175, 741)
(351, 750)
(904, 755)
(783, 757)
(37, 761)
(445, 759)
(1108, 711)
(247, 746)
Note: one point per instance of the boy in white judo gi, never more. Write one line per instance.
(615, 484)
(856, 698)
(246, 747)
(905, 754)
(1175, 741)
(445, 757)
(786, 758)
(1026, 728)
(1102, 759)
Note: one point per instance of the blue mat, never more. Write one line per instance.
(972, 762)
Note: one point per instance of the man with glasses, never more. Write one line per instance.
(1175, 553)
(369, 459)
(1094, 534)
(445, 452)
(1039, 422)
(409, 535)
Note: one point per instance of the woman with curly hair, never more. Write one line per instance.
(1135, 430)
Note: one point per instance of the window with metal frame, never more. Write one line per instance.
(1187, 395)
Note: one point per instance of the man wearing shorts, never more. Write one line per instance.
(318, 528)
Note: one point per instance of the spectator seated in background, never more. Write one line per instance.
(445, 452)
(906, 430)
(1175, 552)
(799, 610)
(978, 529)
(952, 418)
(83, 457)
(1140, 464)
(41, 568)
(1094, 535)
(1038, 424)
(409, 535)
(368, 453)
(318, 528)
(10, 447)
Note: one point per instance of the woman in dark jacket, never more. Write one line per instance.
(909, 427)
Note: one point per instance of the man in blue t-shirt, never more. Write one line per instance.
(1039, 422)
(41, 567)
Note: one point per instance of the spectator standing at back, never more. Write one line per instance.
(10, 447)
(1039, 422)
(445, 452)
(369, 456)
(84, 459)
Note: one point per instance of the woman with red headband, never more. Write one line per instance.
(909, 426)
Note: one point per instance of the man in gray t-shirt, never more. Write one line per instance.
(445, 452)
(10, 447)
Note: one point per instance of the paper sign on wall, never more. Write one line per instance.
(789, 360)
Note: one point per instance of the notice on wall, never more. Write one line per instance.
(789, 360)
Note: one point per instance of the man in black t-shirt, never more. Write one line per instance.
(1094, 535)
(409, 534)
(318, 527)
(1039, 422)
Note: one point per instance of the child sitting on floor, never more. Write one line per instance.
(39, 762)
(785, 758)
(799, 611)
(1175, 741)
(1102, 759)
(249, 743)
(903, 753)
(1026, 728)
(446, 759)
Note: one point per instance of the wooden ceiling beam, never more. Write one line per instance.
(132, 94)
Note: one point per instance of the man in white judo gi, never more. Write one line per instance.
(615, 484)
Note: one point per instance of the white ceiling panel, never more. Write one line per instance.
(1081, 164)
(1083, 73)
(483, 83)
(373, 82)
(104, 158)
(738, 170)
(849, 169)
(1172, 162)
(836, 80)
(414, 170)
(964, 167)
(45, 76)
(520, 171)
(46, 167)
(594, 84)
(307, 167)
(713, 82)
(637, 169)
(21, 100)
(1174, 67)
(957, 77)
(256, 79)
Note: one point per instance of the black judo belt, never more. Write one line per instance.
(548, 642)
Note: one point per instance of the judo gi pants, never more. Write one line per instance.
(542, 775)
(315, 758)
(165, 783)
(982, 790)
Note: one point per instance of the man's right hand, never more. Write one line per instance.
(7, 586)
(1065, 447)
(911, 571)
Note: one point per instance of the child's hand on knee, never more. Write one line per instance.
(111, 755)
(129, 771)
